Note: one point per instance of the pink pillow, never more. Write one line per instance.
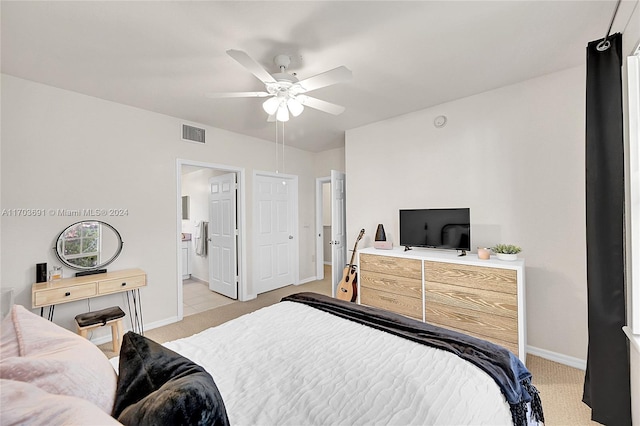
(58, 361)
(23, 403)
(8, 338)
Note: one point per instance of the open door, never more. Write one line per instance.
(222, 244)
(338, 228)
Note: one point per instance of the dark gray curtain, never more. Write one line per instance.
(606, 384)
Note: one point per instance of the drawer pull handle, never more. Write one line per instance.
(123, 284)
(68, 293)
(389, 299)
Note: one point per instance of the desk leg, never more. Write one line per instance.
(137, 324)
(50, 311)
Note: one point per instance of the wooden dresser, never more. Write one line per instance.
(482, 298)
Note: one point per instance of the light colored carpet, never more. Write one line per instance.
(560, 389)
(560, 386)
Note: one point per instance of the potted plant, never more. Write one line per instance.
(506, 251)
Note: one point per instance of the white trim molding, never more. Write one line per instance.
(633, 338)
(306, 280)
(578, 363)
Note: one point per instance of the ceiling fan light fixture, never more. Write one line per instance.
(270, 106)
(284, 91)
(295, 107)
(283, 113)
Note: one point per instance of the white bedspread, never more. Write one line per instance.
(290, 364)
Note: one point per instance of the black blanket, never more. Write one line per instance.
(505, 368)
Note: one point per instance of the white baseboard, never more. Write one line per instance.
(557, 357)
(307, 280)
(160, 323)
(248, 297)
(200, 280)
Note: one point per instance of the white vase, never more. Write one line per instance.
(505, 256)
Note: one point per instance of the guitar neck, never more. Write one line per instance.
(355, 246)
(353, 255)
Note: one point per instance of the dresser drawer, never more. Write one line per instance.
(475, 299)
(408, 268)
(64, 294)
(480, 324)
(401, 304)
(121, 284)
(511, 346)
(494, 279)
(391, 283)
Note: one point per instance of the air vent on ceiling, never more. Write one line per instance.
(192, 134)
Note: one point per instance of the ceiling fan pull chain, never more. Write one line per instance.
(276, 145)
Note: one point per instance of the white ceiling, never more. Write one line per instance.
(164, 55)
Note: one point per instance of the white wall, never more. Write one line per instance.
(61, 149)
(326, 204)
(515, 157)
(326, 161)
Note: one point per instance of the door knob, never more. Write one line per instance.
(291, 237)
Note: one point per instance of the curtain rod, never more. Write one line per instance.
(605, 44)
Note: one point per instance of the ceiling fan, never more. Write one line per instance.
(285, 93)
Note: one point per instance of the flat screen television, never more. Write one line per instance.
(436, 228)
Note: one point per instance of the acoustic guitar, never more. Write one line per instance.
(348, 287)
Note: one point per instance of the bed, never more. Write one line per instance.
(315, 360)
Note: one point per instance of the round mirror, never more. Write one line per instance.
(88, 245)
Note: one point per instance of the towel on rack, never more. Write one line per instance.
(201, 239)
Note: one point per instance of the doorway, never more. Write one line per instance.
(195, 252)
(323, 227)
(331, 250)
(222, 233)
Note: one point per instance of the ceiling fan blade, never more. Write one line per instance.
(336, 75)
(250, 64)
(320, 105)
(237, 95)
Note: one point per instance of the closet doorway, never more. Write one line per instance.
(199, 268)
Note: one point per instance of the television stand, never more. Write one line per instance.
(407, 248)
(462, 253)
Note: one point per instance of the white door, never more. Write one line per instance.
(338, 228)
(223, 275)
(275, 219)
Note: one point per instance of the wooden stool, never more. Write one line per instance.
(109, 316)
